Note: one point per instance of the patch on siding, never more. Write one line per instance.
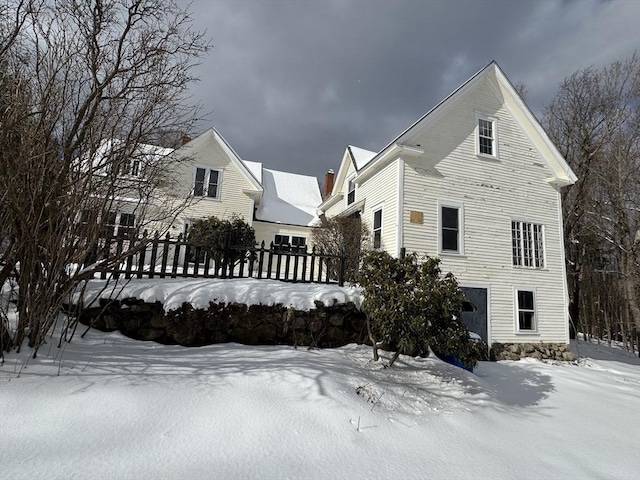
(416, 217)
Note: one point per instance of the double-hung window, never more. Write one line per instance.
(451, 228)
(207, 182)
(377, 228)
(351, 192)
(527, 244)
(486, 136)
(298, 243)
(281, 243)
(118, 225)
(526, 310)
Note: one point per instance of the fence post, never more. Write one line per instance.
(196, 263)
(305, 257)
(296, 262)
(207, 262)
(154, 254)
(287, 263)
(261, 260)
(313, 263)
(270, 261)
(165, 255)
(225, 258)
(141, 256)
(341, 270)
(176, 257)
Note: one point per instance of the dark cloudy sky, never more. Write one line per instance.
(291, 82)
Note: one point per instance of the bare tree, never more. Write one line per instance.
(84, 87)
(343, 235)
(595, 121)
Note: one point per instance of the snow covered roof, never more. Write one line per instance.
(361, 156)
(114, 146)
(288, 198)
(255, 168)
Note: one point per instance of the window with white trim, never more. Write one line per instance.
(451, 228)
(119, 225)
(351, 192)
(377, 228)
(527, 244)
(129, 168)
(526, 310)
(486, 136)
(281, 243)
(207, 182)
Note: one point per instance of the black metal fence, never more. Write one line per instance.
(162, 257)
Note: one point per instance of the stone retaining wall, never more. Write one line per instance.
(540, 351)
(325, 326)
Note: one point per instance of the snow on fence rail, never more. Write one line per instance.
(162, 257)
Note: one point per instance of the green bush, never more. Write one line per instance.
(410, 307)
(216, 236)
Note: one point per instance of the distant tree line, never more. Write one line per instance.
(594, 120)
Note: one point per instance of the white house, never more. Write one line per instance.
(476, 182)
(280, 206)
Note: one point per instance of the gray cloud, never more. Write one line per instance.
(291, 83)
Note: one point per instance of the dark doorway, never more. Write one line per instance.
(474, 311)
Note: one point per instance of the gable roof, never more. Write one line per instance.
(213, 135)
(280, 197)
(360, 156)
(563, 175)
(109, 149)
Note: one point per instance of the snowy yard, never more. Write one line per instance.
(108, 407)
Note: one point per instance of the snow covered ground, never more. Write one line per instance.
(108, 407)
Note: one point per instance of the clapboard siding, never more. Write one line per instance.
(381, 190)
(266, 232)
(341, 188)
(232, 200)
(493, 193)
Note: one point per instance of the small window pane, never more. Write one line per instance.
(377, 219)
(526, 320)
(450, 217)
(212, 190)
(351, 195)
(109, 225)
(377, 229)
(282, 239)
(525, 300)
(126, 225)
(450, 240)
(198, 188)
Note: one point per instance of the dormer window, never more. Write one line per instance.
(351, 192)
(486, 144)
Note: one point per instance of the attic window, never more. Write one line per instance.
(351, 192)
(207, 183)
(486, 136)
(377, 228)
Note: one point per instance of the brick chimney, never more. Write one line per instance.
(185, 139)
(328, 185)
